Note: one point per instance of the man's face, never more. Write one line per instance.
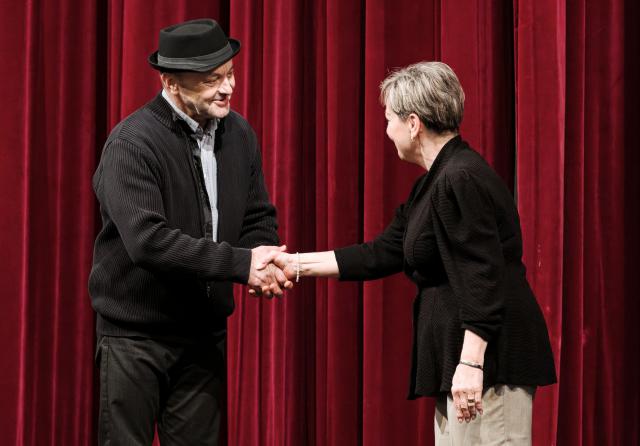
(205, 96)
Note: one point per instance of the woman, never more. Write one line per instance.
(480, 341)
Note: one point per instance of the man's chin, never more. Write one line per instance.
(219, 112)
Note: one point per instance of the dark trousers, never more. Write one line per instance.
(145, 382)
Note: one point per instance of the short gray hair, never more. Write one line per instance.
(431, 90)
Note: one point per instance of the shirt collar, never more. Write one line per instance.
(210, 128)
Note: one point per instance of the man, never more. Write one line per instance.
(184, 211)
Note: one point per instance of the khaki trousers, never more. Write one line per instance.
(506, 419)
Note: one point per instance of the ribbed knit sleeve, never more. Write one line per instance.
(128, 187)
(259, 225)
(375, 259)
(468, 240)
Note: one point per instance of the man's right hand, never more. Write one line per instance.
(265, 278)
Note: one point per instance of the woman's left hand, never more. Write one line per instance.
(466, 389)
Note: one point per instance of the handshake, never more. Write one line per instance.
(272, 271)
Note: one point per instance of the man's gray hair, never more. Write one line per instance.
(431, 90)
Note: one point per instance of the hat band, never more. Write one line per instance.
(196, 61)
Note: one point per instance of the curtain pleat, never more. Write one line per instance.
(630, 363)
(570, 140)
(48, 222)
(388, 417)
(540, 84)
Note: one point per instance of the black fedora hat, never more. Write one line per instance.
(196, 45)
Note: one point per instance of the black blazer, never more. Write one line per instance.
(458, 238)
(154, 271)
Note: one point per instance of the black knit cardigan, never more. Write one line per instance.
(154, 272)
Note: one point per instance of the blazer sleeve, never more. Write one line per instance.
(468, 240)
(378, 258)
(128, 187)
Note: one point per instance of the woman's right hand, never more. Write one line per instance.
(307, 264)
(287, 263)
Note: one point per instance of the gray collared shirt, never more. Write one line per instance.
(205, 151)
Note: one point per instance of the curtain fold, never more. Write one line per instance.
(48, 222)
(270, 92)
(13, 188)
(540, 29)
(630, 363)
(551, 104)
(571, 193)
(293, 76)
(387, 304)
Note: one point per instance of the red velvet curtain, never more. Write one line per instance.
(550, 103)
(571, 149)
(48, 120)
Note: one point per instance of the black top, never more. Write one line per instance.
(155, 272)
(458, 238)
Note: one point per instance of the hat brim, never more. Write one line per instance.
(204, 66)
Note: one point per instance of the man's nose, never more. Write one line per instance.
(227, 86)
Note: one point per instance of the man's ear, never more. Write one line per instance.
(169, 82)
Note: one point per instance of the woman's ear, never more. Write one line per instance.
(414, 125)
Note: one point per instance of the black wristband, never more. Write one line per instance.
(475, 365)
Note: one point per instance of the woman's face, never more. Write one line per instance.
(399, 132)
